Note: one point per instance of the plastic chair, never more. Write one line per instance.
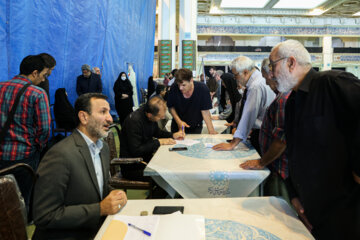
(117, 180)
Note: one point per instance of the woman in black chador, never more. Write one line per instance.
(123, 96)
(63, 111)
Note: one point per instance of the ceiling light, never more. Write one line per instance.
(243, 4)
(316, 12)
(303, 4)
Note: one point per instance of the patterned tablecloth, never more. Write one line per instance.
(201, 172)
(262, 218)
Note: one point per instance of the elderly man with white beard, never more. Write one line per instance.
(322, 127)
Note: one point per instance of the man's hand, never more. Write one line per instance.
(252, 164)
(223, 147)
(166, 141)
(180, 135)
(300, 211)
(182, 125)
(113, 202)
(229, 124)
(123, 96)
(213, 132)
(233, 131)
(214, 117)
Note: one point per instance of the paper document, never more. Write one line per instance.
(187, 142)
(180, 226)
(119, 229)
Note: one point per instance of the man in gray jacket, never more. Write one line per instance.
(72, 196)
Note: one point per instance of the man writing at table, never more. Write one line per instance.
(257, 97)
(141, 136)
(72, 195)
(189, 103)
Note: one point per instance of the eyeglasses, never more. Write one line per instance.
(272, 63)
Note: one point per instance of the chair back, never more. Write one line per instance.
(13, 217)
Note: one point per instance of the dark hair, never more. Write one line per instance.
(82, 103)
(212, 67)
(159, 88)
(48, 59)
(183, 74)
(30, 64)
(153, 105)
(173, 72)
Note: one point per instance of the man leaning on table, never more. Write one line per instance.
(189, 103)
(272, 141)
(72, 196)
(256, 98)
(322, 129)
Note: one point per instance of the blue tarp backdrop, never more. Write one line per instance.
(108, 34)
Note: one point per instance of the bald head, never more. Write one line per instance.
(155, 108)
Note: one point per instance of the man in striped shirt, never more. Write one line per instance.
(30, 128)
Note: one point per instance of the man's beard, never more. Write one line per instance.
(95, 130)
(285, 80)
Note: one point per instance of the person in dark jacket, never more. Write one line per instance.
(141, 137)
(88, 82)
(63, 110)
(123, 96)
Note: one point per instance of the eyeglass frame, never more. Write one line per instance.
(272, 63)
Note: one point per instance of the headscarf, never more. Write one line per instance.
(151, 87)
(123, 87)
(231, 87)
(63, 110)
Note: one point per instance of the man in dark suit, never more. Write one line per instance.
(88, 82)
(72, 196)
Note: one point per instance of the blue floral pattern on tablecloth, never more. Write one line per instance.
(220, 183)
(200, 150)
(231, 230)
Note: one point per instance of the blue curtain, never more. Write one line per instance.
(108, 34)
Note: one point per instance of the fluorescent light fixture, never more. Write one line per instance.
(302, 4)
(316, 12)
(243, 3)
(357, 14)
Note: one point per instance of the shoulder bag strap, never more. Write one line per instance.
(10, 118)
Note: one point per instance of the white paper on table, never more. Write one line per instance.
(179, 227)
(187, 142)
(148, 223)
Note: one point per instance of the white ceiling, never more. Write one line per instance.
(326, 8)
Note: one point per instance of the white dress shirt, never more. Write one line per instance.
(95, 149)
(259, 96)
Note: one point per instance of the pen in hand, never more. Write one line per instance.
(137, 228)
